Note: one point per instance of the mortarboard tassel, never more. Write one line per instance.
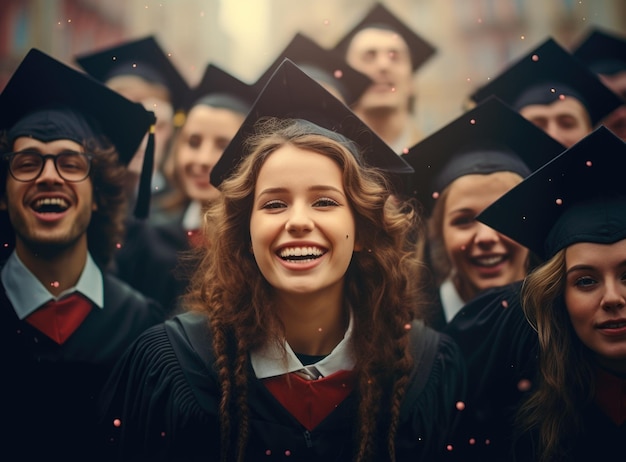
(142, 207)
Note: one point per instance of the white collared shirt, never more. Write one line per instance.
(192, 218)
(269, 361)
(451, 301)
(26, 293)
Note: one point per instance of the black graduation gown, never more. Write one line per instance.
(501, 351)
(48, 404)
(149, 261)
(165, 394)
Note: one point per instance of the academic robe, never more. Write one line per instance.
(161, 404)
(49, 389)
(501, 351)
(149, 261)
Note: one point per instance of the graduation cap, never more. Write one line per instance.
(325, 66)
(49, 100)
(291, 94)
(545, 75)
(579, 196)
(219, 88)
(603, 52)
(141, 58)
(380, 17)
(489, 138)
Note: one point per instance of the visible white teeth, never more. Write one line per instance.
(59, 202)
(615, 325)
(289, 252)
(490, 261)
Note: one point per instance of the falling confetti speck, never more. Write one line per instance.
(473, 121)
(524, 385)
(435, 195)
(393, 89)
(287, 452)
(463, 247)
(460, 405)
(405, 150)
(535, 58)
(118, 246)
(117, 423)
(407, 326)
(588, 164)
(134, 65)
(450, 447)
(559, 202)
(338, 73)
(326, 22)
(561, 97)
(552, 90)
(472, 441)
(54, 284)
(522, 37)
(505, 304)
(162, 434)
(468, 79)
(268, 452)
(319, 329)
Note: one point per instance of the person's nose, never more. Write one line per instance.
(614, 296)
(49, 173)
(299, 219)
(485, 236)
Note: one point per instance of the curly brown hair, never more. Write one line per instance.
(108, 176)
(381, 286)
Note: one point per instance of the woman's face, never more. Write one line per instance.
(302, 227)
(595, 297)
(203, 138)
(481, 258)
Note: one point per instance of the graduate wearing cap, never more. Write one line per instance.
(65, 320)
(328, 67)
(389, 52)
(300, 341)
(555, 91)
(460, 170)
(150, 260)
(141, 71)
(605, 54)
(571, 212)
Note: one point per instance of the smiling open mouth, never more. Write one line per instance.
(489, 262)
(301, 253)
(50, 205)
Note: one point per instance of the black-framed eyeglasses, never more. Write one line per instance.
(27, 166)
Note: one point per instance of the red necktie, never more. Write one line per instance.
(311, 401)
(59, 319)
(195, 237)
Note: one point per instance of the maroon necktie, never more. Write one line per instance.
(59, 319)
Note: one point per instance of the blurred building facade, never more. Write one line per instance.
(475, 39)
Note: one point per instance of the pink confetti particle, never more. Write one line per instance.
(162, 434)
(435, 195)
(522, 37)
(268, 452)
(118, 246)
(338, 73)
(117, 423)
(463, 247)
(450, 447)
(6, 245)
(559, 202)
(287, 452)
(407, 326)
(319, 329)
(588, 164)
(487, 442)
(473, 121)
(561, 97)
(472, 441)
(535, 58)
(460, 405)
(505, 304)
(326, 22)
(405, 151)
(524, 385)
(54, 284)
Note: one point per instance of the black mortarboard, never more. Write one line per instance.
(381, 17)
(142, 58)
(323, 65)
(545, 75)
(218, 88)
(579, 196)
(291, 93)
(489, 138)
(603, 52)
(69, 104)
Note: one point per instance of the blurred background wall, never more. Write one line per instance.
(475, 39)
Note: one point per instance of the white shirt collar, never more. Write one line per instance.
(451, 301)
(269, 361)
(26, 293)
(192, 219)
